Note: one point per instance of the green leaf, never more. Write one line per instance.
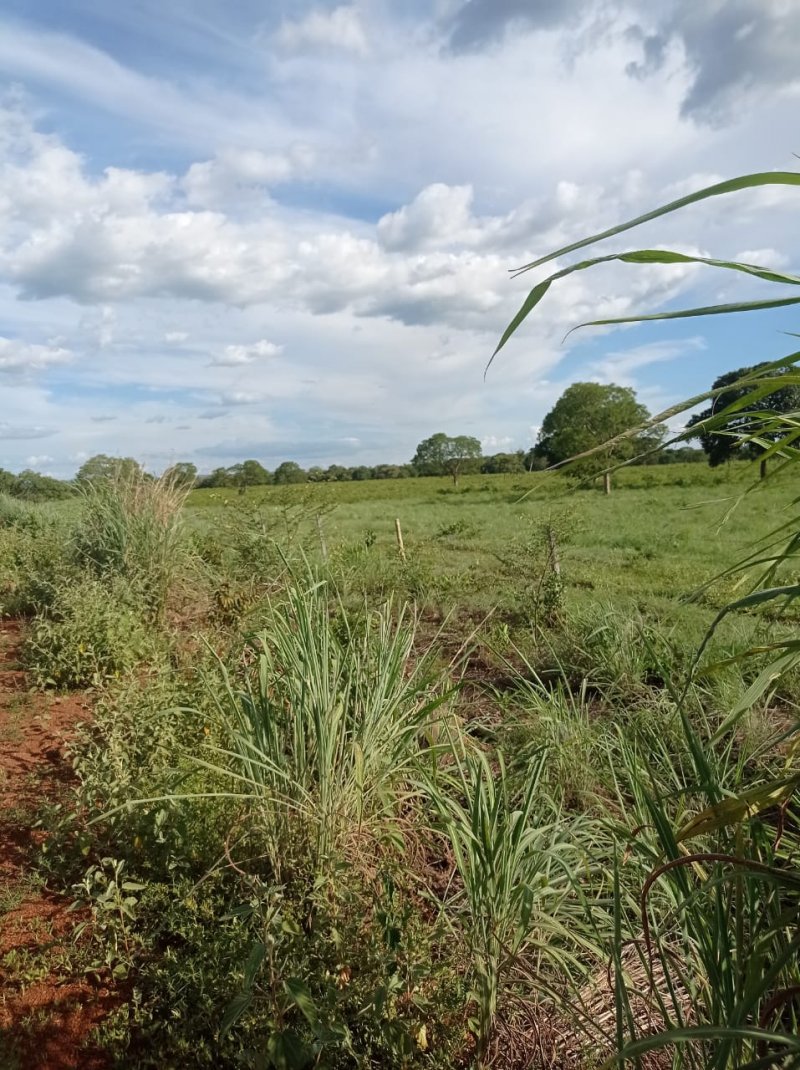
(743, 182)
(739, 809)
(234, 1011)
(719, 189)
(300, 995)
(257, 953)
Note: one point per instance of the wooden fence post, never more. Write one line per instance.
(322, 543)
(399, 533)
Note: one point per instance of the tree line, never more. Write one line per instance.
(586, 416)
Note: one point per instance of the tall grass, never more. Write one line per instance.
(718, 928)
(131, 527)
(329, 728)
(516, 865)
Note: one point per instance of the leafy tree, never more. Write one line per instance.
(361, 472)
(315, 474)
(722, 446)
(101, 466)
(337, 473)
(248, 474)
(504, 462)
(220, 477)
(442, 455)
(289, 472)
(34, 487)
(588, 415)
(535, 461)
(183, 473)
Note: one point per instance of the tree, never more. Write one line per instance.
(34, 487)
(504, 462)
(722, 446)
(101, 466)
(248, 474)
(588, 415)
(220, 477)
(336, 473)
(183, 474)
(442, 455)
(289, 472)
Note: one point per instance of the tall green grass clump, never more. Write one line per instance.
(515, 893)
(328, 727)
(131, 527)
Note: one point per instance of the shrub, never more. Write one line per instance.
(90, 633)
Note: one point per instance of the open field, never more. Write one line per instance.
(338, 808)
(663, 533)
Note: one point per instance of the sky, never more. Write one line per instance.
(284, 230)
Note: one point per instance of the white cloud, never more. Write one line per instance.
(340, 28)
(437, 216)
(498, 443)
(18, 356)
(243, 177)
(361, 200)
(618, 366)
(234, 355)
(18, 431)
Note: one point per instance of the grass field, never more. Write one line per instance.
(663, 533)
(342, 807)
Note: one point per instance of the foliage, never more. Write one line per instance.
(586, 416)
(515, 868)
(326, 730)
(182, 473)
(248, 474)
(130, 526)
(289, 472)
(35, 560)
(735, 437)
(90, 633)
(733, 897)
(504, 462)
(442, 455)
(102, 467)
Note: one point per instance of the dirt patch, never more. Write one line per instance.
(47, 1015)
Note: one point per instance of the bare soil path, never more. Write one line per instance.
(47, 1013)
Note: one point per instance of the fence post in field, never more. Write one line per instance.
(607, 482)
(322, 543)
(555, 563)
(399, 533)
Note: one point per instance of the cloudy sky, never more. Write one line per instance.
(284, 229)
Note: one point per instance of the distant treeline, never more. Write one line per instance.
(32, 486)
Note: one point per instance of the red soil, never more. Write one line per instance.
(47, 1014)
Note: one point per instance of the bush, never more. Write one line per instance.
(36, 563)
(90, 633)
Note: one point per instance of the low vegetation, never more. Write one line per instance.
(512, 782)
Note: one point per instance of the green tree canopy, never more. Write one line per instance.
(442, 454)
(289, 472)
(101, 466)
(588, 415)
(182, 472)
(722, 446)
(248, 474)
(504, 462)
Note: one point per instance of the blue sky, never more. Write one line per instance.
(284, 230)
